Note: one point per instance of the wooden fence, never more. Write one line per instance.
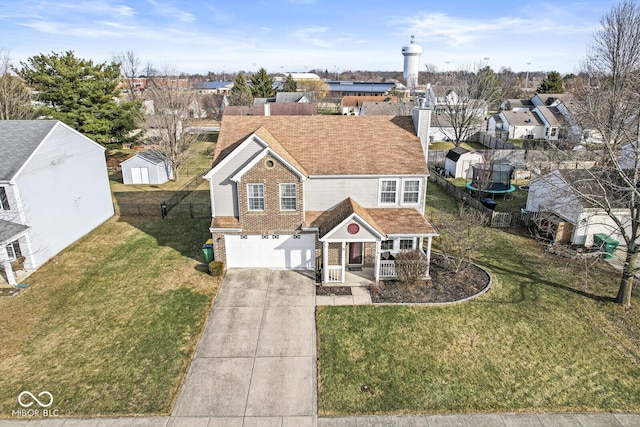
(494, 219)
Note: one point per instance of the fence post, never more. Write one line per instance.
(191, 210)
(163, 209)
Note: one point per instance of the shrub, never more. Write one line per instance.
(216, 268)
(411, 266)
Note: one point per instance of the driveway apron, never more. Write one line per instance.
(257, 355)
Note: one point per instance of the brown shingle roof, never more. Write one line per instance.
(401, 221)
(266, 136)
(225, 222)
(385, 220)
(335, 145)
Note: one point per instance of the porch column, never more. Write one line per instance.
(11, 278)
(376, 265)
(344, 260)
(325, 262)
(429, 253)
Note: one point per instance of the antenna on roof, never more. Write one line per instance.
(412, 37)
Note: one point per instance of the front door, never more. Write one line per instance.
(355, 253)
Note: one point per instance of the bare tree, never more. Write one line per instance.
(608, 96)
(15, 100)
(462, 235)
(461, 111)
(130, 69)
(174, 105)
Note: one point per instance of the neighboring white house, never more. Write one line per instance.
(54, 189)
(522, 124)
(552, 194)
(146, 167)
(459, 160)
(325, 193)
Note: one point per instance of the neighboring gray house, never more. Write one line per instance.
(54, 189)
(147, 167)
(294, 96)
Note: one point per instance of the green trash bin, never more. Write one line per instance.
(207, 250)
(606, 244)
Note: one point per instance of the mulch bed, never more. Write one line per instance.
(333, 290)
(444, 286)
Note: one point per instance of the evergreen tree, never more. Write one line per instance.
(552, 84)
(290, 85)
(240, 93)
(262, 85)
(83, 95)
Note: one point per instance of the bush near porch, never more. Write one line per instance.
(109, 325)
(545, 338)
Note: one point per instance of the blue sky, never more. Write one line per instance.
(296, 35)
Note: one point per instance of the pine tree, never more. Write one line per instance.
(83, 95)
(552, 84)
(262, 85)
(240, 93)
(290, 85)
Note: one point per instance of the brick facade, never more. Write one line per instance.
(270, 172)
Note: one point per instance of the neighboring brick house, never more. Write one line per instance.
(326, 193)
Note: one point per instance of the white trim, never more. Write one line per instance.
(249, 197)
(402, 192)
(251, 139)
(225, 230)
(295, 185)
(327, 237)
(261, 155)
(397, 192)
(394, 176)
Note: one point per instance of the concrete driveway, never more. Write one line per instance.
(256, 361)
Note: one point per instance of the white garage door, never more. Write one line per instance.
(281, 251)
(140, 175)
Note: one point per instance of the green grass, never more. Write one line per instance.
(444, 145)
(109, 325)
(546, 337)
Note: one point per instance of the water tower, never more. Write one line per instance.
(411, 55)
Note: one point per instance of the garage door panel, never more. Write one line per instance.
(282, 251)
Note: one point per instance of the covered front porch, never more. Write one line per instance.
(353, 261)
(13, 240)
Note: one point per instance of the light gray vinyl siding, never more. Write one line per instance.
(64, 192)
(223, 190)
(324, 193)
(159, 173)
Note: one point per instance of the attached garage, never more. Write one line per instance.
(270, 251)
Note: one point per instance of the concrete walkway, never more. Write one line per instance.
(256, 359)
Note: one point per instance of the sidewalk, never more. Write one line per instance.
(454, 420)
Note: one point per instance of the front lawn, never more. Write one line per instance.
(109, 325)
(546, 338)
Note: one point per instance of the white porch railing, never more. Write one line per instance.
(387, 268)
(335, 273)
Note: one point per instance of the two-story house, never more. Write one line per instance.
(54, 189)
(326, 193)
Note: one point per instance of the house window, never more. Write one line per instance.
(386, 245)
(411, 191)
(554, 131)
(4, 200)
(255, 194)
(288, 197)
(406, 244)
(13, 250)
(388, 191)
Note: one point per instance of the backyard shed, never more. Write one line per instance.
(147, 167)
(459, 160)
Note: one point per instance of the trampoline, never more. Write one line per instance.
(492, 179)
